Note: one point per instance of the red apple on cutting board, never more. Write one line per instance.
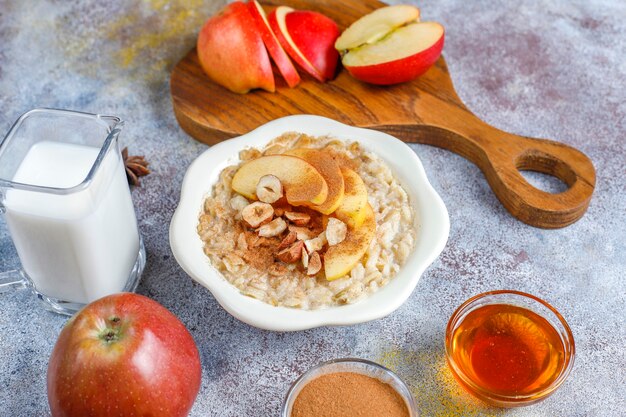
(123, 355)
(309, 38)
(232, 53)
(390, 45)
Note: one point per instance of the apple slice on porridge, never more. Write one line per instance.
(307, 222)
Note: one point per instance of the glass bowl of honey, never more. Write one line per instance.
(509, 348)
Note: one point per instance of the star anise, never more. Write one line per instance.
(136, 166)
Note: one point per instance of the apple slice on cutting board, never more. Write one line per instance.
(404, 54)
(376, 25)
(309, 38)
(280, 57)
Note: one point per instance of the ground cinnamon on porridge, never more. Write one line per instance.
(250, 262)
(348, 394)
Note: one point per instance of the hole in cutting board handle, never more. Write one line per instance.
(545, 172)
(529, 203)
(544, 182)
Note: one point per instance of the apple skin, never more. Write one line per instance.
(149, 366)
(300, 59)
(315, 35)
(232, 53)
(278, 54)
(400, 70)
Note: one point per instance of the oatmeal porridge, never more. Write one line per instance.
(324, 242)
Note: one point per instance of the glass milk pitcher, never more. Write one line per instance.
(67, 205)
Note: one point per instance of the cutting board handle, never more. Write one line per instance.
(501, 156)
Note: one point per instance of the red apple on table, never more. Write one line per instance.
(280, 57)
(309, 38)
(232, 53)
(397, 50)
(123, 355)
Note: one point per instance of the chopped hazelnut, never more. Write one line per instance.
(273, 228)
(291, 254)
(305, 257)
(315, 264)
(257, 214)
(269, 189)
(299, 219)
(336, 231)
(302, 232)
(316, 243)
(288, 240)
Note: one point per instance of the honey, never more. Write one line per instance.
(507, 350)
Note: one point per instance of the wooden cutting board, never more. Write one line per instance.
(426, 110)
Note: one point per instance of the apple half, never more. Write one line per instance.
(278, 54)
(402, 55)
(309, 38)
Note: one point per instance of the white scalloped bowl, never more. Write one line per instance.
(431, 222)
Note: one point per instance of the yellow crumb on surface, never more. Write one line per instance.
(142, 44)
(434, 388)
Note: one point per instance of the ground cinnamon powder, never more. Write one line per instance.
(348, 394)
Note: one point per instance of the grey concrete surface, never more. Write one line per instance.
(545, 68)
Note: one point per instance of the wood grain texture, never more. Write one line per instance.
(427, 110)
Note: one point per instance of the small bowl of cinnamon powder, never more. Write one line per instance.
(347, 388)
